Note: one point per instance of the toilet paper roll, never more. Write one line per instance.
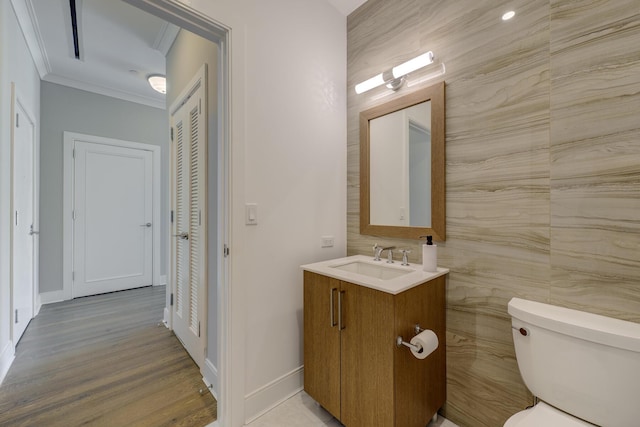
(427, 340)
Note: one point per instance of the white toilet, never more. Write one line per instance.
(584, 368)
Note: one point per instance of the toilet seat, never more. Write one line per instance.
(543, 415)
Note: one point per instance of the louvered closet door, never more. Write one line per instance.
(189, 166)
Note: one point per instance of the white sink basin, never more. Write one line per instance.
(377, 271)
(363, 270)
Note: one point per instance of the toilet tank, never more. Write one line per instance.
(584, 364)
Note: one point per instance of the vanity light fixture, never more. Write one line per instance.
(394, 78)
(508, 15)
(158, 82)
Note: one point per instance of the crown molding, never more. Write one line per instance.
(106, 91)
(165, 38)
(28, 22)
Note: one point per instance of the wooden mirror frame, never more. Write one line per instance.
(435, 94)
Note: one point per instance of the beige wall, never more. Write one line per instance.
(543, 168)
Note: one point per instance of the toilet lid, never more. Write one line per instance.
(544, 415)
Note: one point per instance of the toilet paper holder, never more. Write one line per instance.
(401, 342)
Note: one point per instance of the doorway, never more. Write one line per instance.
(218, 288)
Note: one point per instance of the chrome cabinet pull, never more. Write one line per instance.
(332, 315)
(146, 225)
(341, 325)
(183, 236)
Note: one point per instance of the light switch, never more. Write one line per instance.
(251, 214)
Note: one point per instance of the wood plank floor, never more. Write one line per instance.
(105, 360)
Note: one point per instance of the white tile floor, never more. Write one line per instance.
(302, 411)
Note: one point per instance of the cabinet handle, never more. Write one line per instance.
(340, 322)
(332, 315)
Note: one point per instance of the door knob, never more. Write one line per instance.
(146, 225)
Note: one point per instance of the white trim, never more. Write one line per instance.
(106, 91)
(38, 305)
(267, 397)
(210, 377)
(163, 281)
(167, 317)
(26, 15)
(67, 200)
(7, 356)
(165, 38)
(51, 297)
(198, 81)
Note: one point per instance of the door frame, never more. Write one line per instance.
(229, 308)
(68, 200)
(16, 99)
(196, 86)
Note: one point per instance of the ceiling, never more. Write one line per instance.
(119, 45)
(346, 6)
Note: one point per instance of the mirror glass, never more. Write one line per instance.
(402, 166)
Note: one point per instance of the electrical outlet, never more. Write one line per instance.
(327, 241)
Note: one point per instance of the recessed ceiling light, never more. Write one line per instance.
(508, 15)
(158, 82)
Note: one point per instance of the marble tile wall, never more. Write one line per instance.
(543, 168)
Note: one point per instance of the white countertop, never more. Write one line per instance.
(393, 286)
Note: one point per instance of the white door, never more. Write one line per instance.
(24, 234)
(113, 214)
(189, 202)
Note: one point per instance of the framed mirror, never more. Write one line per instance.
(402, 166)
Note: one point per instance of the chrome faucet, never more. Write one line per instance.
(389, 254)
(377, 251)
(405, 258)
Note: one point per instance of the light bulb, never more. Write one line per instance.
(369, 84)
(413, 64)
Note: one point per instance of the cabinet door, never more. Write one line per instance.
(322, 341)
(420, 384)
(367, 346)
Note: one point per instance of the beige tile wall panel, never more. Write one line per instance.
(497, 177)
(595, 156)
(543, 168)
(494, 394)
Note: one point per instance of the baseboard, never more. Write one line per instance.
(267, 397)
(38, 306)
(167, 316)
(6, 359)
(51, 297)
(210, 377)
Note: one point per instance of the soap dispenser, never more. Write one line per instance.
(429, 255)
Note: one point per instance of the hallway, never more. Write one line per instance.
(104, 360)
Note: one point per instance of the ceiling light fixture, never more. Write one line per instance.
(508, 15)
(394, 78)
(158, 82)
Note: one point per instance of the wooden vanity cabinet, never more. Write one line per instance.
(352, 366)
